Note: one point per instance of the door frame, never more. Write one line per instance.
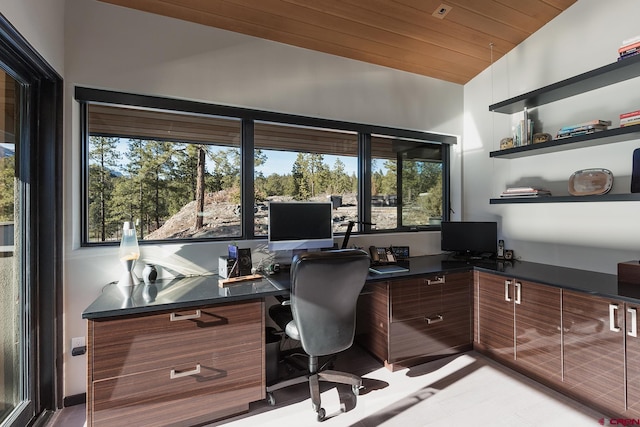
(43, 131)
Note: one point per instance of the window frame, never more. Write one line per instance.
(84, 96)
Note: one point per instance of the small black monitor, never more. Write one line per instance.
(300, 225)
(469, 239)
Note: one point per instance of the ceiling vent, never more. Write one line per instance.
(442, 11)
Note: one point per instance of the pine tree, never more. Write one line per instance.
(103, 159)
(300, 190)
(202, 153)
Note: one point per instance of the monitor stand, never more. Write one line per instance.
(463, 256)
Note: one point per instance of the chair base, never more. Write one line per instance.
(314, 386)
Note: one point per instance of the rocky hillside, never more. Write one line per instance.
(222, 217)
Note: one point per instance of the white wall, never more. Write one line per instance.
(125, 50)
(41, 23)
(593, 236)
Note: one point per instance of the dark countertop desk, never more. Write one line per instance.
(204, 290)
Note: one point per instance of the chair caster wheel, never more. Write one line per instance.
(321, 414)
(271, 399)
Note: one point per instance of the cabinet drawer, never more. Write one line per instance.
(153, 398)
(405, 299)
(416, 338)
(143, 343)
(410, 298)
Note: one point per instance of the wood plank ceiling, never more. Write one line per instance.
(451, 40)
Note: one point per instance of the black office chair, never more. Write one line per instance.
(322, 314)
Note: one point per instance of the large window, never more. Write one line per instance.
(303, 163)
(406, 183)
(184, 170)
(176, 176)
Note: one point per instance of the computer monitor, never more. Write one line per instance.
(300, 225)
(469, 239)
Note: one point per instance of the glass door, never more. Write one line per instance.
(30, 233)
(14, 324)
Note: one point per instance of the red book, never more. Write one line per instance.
(625, 48)
(630, 114)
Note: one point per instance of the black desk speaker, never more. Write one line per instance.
(244, 262)
(635, 172)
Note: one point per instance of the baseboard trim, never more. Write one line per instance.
(76, 399)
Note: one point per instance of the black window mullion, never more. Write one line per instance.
(364, 181)
(446, 182)
(247, 178)
(399, 190)
(84, 170)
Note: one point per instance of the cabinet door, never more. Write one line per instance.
(633, 360)
(372, 324)
(495, 329)
(537, 325)
(594, 349)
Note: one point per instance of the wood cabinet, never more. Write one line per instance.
(406, 321)
(177, 368)
(518, 323)
(594, 354)
(632, 347)
(602, 352)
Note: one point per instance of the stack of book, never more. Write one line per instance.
(629, 47)
(630, 119)
(525, 192)
(523, 133)
(591, 126)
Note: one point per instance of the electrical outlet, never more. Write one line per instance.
(78, 346)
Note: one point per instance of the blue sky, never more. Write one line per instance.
(279, 162)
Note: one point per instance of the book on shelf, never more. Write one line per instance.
(629, 51)
(628, 55)
(629, 119)
(628, 47)
(583, 128)
(524, 192)
(594, 122)
(629, 114)
(578, 132)
(523, 133)
(630, 122)
(523, 195)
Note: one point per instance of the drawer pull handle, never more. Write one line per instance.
(507, 284)
(518, 292)
(633, 332)
(179, 374)
(613, 308)
(435, 319)
(436, 281)
(176, 317)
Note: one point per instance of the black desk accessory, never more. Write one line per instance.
(347, 234)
